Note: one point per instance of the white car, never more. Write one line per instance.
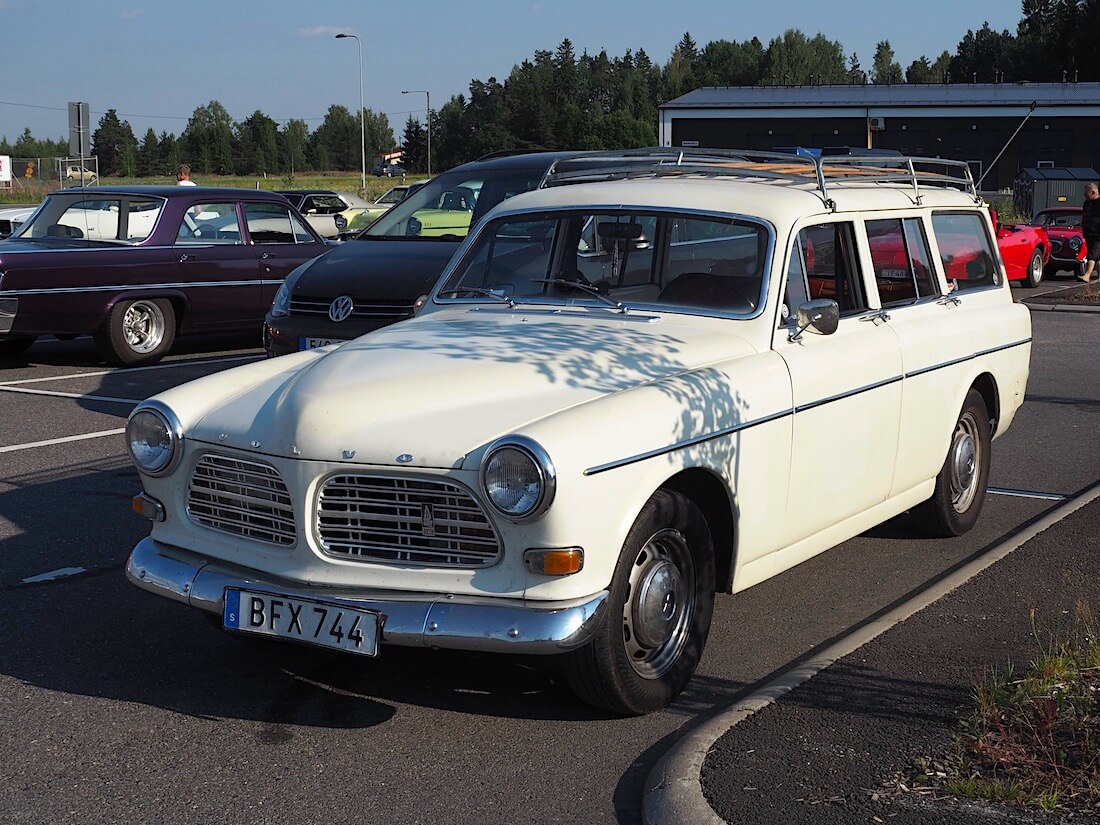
(12, 217)
(625, 395)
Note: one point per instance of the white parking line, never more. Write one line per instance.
(55, 574)
(65, 440)
(79, 395)
(129, 370)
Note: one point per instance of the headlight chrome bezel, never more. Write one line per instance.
(544, 468)
(172, 427)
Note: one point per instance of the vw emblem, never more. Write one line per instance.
(404, 458)
(340, 309)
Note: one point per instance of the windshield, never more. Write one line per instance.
(125, 219)
(1068, 219)
(446, 207)
(618, 258)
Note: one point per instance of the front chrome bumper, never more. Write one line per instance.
(408, 619)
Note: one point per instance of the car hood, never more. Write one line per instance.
(1064, 231)
(435, 388)
(376, 270)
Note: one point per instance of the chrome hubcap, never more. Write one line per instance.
(1036, 269)
(143, 326)
(965, 463)
(660, 606)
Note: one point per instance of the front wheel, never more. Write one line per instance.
(1035, 269)
(957, 500)
(137, 332)
(662, 597)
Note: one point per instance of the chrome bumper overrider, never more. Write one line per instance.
(409, 619)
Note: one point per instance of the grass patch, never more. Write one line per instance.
(1033, 739)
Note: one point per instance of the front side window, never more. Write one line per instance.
(965, 250)
(900, 259)
(828, 251)
(272, 223)
(665, 260)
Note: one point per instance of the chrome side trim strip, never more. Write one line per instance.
(484, 624)
(690, 442)
(966, 358)
(115, 287)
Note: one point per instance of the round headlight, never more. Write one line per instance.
(518, 478)
(153, 441)
(1075, 243)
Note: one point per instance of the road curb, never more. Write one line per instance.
(673, 792)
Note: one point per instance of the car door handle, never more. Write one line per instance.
(949, 300)
(185, 258)
(265, 256)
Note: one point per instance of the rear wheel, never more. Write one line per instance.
(137, 332)
(961, 484)
(662, 597)
(1035, 269)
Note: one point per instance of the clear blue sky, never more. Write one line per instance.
(155, 62)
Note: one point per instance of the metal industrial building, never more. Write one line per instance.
(961, 121)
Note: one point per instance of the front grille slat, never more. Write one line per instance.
(414, 521)
(243, 498)
(365, 310)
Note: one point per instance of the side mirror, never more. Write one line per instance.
(822, 315)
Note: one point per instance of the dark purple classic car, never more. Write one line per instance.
(132, 266)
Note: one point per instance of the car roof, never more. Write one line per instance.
(172, 191)
(304, 191)
(522, 160)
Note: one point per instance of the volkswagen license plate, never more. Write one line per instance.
(313, 343)
(302, 620)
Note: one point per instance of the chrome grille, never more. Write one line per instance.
(244, 498)
(404, 520)
(317, 307)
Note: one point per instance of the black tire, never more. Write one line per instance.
(639, 660)
(1035, 269)
(961, 484)
(15, 347)
(137, 332)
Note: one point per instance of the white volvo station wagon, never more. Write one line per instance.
(649, 382)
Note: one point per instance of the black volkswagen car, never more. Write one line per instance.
(376, 278)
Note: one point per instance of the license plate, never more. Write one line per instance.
(313, 343)
(302, 620)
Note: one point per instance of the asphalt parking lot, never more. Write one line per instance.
(119, 707)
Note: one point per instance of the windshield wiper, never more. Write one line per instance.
(480, 290)
(588, 289)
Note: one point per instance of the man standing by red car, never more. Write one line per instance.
(1090, 228)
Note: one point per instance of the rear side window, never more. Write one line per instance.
(899, 256)
(965, 250)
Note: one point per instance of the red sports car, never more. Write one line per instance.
(1025, 249)
(1067, 246)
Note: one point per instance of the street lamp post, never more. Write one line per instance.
(428, 95)
(362, 122)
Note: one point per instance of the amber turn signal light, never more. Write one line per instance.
(555, 562)
(147, 507)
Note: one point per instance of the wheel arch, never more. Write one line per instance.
(178, 300)
(711, 495)
(986, 385)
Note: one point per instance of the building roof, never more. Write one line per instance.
(1021, 94)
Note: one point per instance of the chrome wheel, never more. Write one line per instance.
(660, 607)
(965, 462)
(1036, 274)
(143, 326)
